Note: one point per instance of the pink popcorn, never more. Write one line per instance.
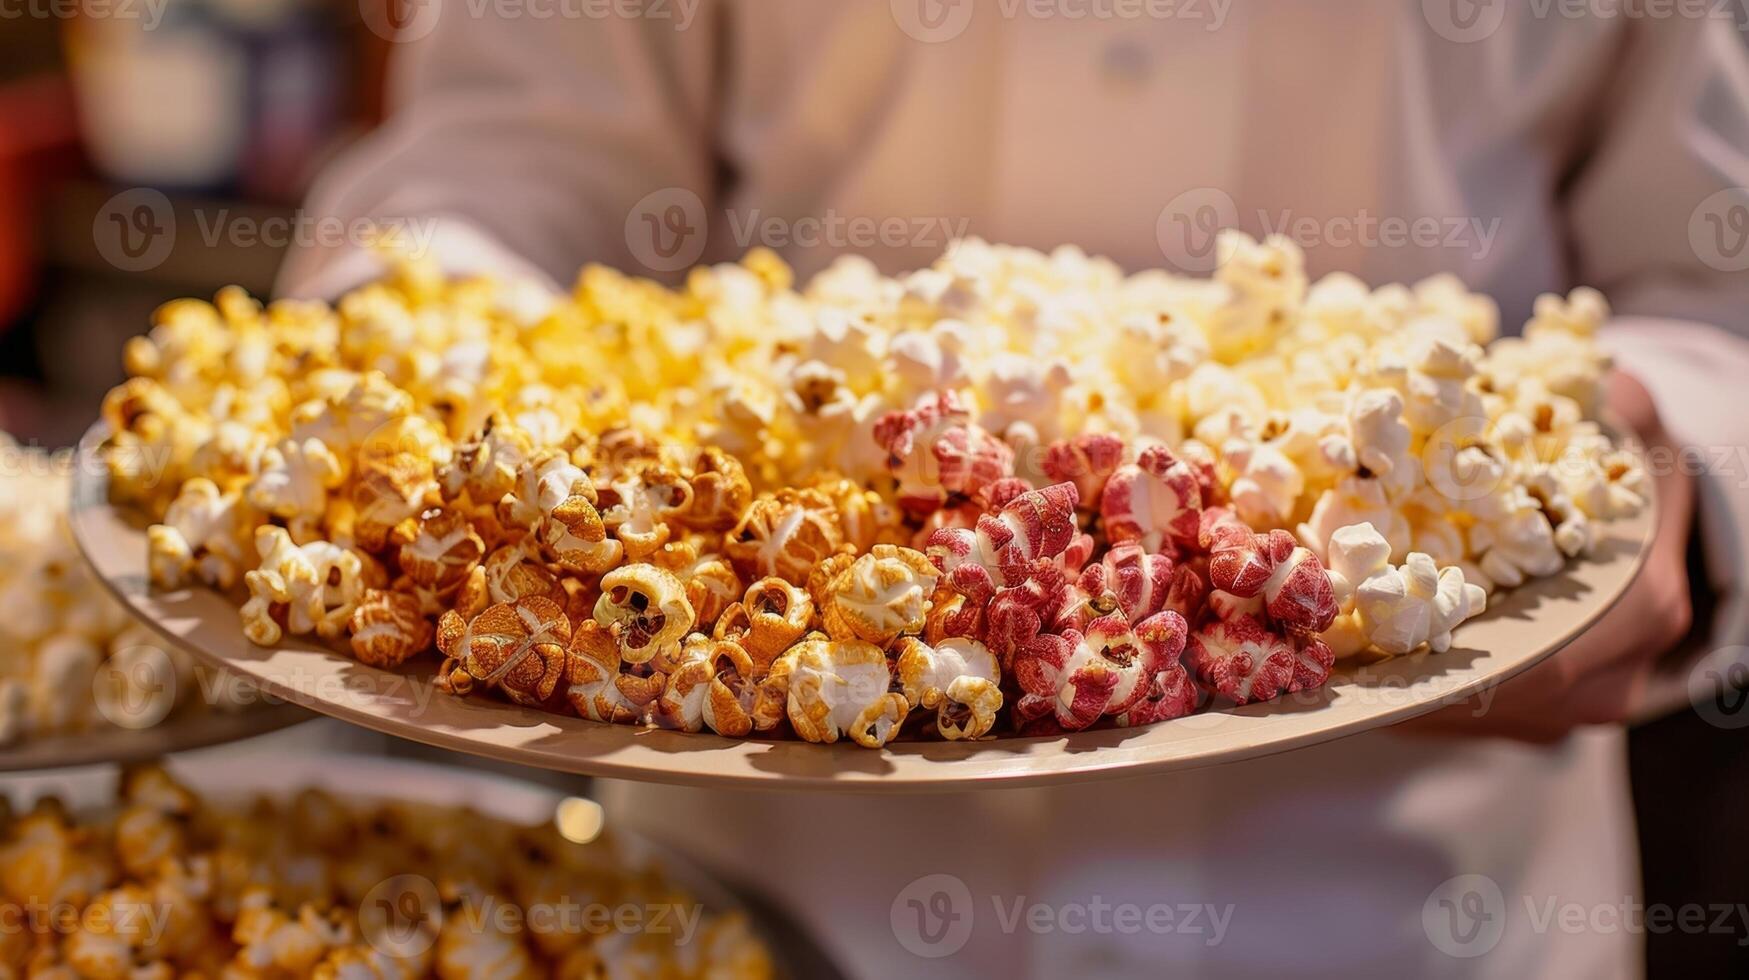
(1018, 613)
(1062, 677)
(1087, 461)
(1313, 660)
(1171, 694)
(1242, 659)
(1155, 501)
(1131, 580)
(938, 453)
(1296, 591)
(1004, 548)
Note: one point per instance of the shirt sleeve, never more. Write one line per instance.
(520, 144)
(1659, 220)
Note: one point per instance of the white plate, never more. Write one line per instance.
(1519, 629)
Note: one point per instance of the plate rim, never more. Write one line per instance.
(901, 767)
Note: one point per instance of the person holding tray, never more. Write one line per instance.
(1523, 149)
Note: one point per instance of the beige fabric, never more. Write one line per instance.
(1552, 151)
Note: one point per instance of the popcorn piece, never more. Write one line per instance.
(645, 508)
(719, 489)
(388, 628)
(300, 589)
(786, 534)
(1155, 501)
(1241, 659)
(769, 620)
(518, 647)
(936, 453)
(957, 678)
(596, 683)
(295, 479)
(841, 687)
(443, 551)
(1130, 580)
(712, 585)
(1006, 547)
(1087, 461)
(876, 597)
(1398, 609)
(203, 536)
(713, 687)
(644, 608)
(1074, 681)
(514, 572)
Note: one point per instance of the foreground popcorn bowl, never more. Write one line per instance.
(1520, 628)
(363, 781)
(119, 746)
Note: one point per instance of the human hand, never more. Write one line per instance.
(1596, 679)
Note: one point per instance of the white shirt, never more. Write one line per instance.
(1518, 145)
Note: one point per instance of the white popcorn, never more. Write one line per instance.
(295, 479)
(1354, 500)
(1396, 609)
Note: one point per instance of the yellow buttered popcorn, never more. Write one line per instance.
(307, 885)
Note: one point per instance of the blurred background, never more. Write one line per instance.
(196, 111)
(225, 107)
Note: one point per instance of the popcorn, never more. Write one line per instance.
(388, 628)
(840, 687)
(786, 534)
(284, 886)
(868, 453)
(517, 647)
(876, 597)
(294, 480)
(957, 678)
(644, 609)
(203, 536)
(300, 589)
(713, 686)
(936, 452)
(1241, 659)
(1155, 501)
(1399, 608)
(771, 617)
